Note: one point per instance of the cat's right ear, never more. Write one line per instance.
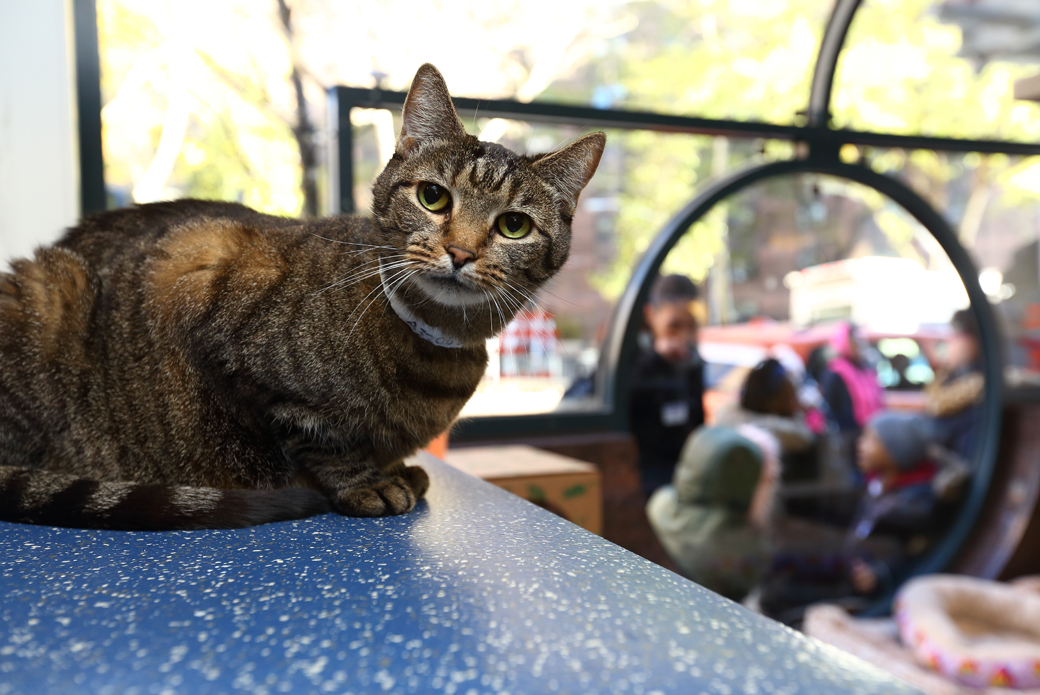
(428, 112)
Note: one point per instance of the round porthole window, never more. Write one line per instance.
(804, 248)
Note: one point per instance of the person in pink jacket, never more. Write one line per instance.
(849, 386)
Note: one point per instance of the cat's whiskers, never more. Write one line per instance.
(340, 284)
(361, 274)
(508, 302)
(530, 298)
(491, 318)
(351, 243)
(527, 295)
(501, 314)
(523, 292)
(502, 285)
(544, 289)
(492, 301)
(359, 268)
(389, 285)
(425, 301)
(490, 291)
(378, 288)
(363, 248)
(359, 252)
(515, 307)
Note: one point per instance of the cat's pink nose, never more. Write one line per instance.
(460, 257)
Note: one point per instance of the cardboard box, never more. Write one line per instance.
(562, 485)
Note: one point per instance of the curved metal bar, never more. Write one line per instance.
(833, 41)
(620, 350)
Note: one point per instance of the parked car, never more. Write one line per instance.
(731, 351)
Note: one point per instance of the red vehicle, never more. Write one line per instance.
(731, 351)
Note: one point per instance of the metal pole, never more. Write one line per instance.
(88, 103)
(341, 154)
(819, 114)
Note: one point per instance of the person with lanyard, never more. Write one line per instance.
(667, 387)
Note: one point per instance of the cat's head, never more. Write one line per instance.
(472, 224)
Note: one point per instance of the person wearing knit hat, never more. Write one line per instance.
(902, 438)
(900, 503)
(895, 522)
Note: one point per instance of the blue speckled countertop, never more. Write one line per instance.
(476, 591)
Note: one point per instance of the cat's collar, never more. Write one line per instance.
(430, 334)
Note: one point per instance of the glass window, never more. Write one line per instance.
(212, 108)
(233, 107)
(992, 202)
(546, 359)
(795, 256)
(921, 67)
(727, 59)
(198, 108)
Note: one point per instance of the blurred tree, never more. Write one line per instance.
(197, 108)
(224, 100)
(303, 131)
(716, 59)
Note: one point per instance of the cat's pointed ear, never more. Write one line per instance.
(428, 112)
(570, 169)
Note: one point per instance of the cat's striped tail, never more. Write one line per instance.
(40, 497)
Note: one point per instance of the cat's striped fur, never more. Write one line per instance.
(201, 365)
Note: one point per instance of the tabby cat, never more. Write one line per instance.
(198, 364)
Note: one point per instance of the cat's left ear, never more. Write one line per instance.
(570, 169)
(428, 112)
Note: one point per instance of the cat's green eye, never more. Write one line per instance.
(514, 225)
(433, 197)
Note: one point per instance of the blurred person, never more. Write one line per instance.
(583, 386)
(955, 396)
(894, 524)
(816, 364)
(769, 399)
(809, 394)
(714, 519)
(849, 384)
(667, 386)
(900, 503)
(900, 363)
(808, 391)
(851, 394)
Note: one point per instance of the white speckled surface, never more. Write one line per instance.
(476, 591)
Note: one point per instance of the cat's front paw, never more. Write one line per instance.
(385, 498)
(417, 480)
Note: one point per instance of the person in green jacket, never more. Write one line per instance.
(714, 519)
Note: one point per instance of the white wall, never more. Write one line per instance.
(39, 162)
